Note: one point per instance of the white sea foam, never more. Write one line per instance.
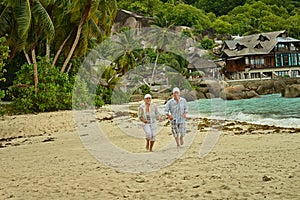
(267, 110)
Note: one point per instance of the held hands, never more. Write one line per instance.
(170, 117)
(161, 119)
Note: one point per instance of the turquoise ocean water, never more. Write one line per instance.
(268, 109)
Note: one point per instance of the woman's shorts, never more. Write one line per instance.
(150, 130)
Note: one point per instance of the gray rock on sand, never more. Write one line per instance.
(291, 91)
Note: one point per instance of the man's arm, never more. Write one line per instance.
(185, 109)
(167, 111)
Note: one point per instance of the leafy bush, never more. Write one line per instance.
(4, 54)
(54, 89)
(145, 89)
(82, 97)
(207, 43)
(103, 96)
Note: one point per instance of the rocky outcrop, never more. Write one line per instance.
(270, 86)
(246, 89)
(129, 19)
(291, 91)
(238, 92)
(189, 95)
(210, 89)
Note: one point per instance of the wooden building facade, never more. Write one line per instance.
(264, 55)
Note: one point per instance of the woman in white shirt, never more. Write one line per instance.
(148, 114)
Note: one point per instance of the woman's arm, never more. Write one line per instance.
(141, 114)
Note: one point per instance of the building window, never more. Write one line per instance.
(282, 73)
(278, 60)
(286, 59)
(269, 61)
(295, 73)
(255, 75)
(258, 60)
(294, 59)
(252, 61)
(282, 47)
(247, 60)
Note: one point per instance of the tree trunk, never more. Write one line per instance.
(48, 50)
(27, 57)
(70, 65)
(72, 48)
(82, 22)
(60, 50)
(153, 72)
(35, 71)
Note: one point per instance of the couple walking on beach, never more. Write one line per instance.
(176, 110)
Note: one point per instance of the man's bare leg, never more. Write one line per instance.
(181, 140)
(177, 141)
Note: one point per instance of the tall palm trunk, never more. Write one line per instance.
(153, 72)
(82, 22)
(27, 57)
(72, 48)
(35, 71)
(60, 50)
(48, 50)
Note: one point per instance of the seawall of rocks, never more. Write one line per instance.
(243, 89)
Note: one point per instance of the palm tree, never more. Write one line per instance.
(96, 19)
(26, 22)
(128, 47)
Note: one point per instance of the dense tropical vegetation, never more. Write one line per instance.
(44, 42)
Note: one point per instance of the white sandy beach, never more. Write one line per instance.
(43, 157)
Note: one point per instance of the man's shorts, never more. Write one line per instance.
(178, 129)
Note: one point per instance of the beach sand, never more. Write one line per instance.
(42, 156)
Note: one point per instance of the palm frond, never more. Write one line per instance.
(5, 20)
(44, 19)
(23, 17)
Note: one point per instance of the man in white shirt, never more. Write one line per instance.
(176, 110)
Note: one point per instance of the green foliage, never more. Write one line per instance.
(145, 89)
(143, 7)
(103, 95)
(54, 89)
(207, 43)
(82, 97)
(222, 26)
(254, 17)
(120, 97)
(219, 7)
(4, 54)
(187, 15)
(187, 32)
(197, 74)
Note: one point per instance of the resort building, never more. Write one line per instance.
(264, 55)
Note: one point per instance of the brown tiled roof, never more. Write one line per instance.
(253, 45)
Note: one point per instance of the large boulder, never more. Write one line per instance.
(210, 88)
(189, 95)
(237, 92)
(291, 91)
(279, 86)
(266, 87)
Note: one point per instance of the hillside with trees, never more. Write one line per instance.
(45, 42)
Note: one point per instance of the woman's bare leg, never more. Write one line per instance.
(147, 144)
(151, 145)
